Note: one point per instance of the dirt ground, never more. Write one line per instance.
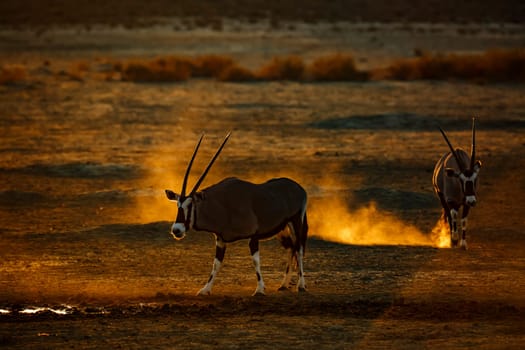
(84, 224)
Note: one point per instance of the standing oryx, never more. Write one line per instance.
(234, 209)
(455, 182)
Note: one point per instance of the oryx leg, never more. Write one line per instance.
(254, 251)
(285, 285)
(299, 253)
(464, 223)
(289, 241)
(301, 286)
(220, 249)
(454, 235)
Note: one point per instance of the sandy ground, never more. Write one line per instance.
(84, 222)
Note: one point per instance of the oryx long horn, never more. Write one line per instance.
(460, 163)
(196, 187)
(473, 146)
(184, 183)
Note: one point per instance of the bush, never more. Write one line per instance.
(236, 73)
(10, 74)
(210, 66)
(163, 69)
(283, 68)
(337, 67)
(78, 70)
(492, 66)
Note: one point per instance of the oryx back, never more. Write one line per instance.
(236, 209)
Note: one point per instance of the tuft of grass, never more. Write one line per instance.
(78, 71)
(491, 66)
(12, 74)
(210, 66)
(336, 67)
(283, 68)
(161, 69)
(236, 73)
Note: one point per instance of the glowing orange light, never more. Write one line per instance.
(370, 226)
(440, 234)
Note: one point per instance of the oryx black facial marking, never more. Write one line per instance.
(455, 182)
(234, 209)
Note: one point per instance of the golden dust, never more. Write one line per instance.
(366, 226)
(440, 234)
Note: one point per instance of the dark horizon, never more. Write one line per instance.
(136, 13)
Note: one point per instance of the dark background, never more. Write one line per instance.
(22, 14)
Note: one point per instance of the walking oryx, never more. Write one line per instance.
(455, 182)
(234, 209)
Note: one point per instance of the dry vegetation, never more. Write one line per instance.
(491, 66)
(283, 68)
(161, 69)
(237, 73)
(10, 74)
(336, 67)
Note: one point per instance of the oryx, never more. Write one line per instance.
(234, 209)
(455, 182)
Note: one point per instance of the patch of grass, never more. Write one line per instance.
(336, 67)
(161, 69)
(210, 66)
(283, 68)
(78, 70)
(12, 74)
(236, 73)
(491, 66)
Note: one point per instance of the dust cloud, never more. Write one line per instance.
(368, 225)
(440, 234)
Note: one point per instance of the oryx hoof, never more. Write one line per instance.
(454, 243)
(203, 292)
(463, 244)
(258, 294)
(301, 289)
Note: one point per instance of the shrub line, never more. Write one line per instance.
(496, 65)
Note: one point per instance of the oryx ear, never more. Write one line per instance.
(477, 165)
(452, 172)
(172, 196)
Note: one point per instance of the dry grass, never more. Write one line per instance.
(78, 70)
(491, 66)
(236, 73)
(282, 68)
(210, 66)
(161, 69)
(336, 67)
(11, 74)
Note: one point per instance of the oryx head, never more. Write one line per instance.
(185, 217)
(466, 174)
